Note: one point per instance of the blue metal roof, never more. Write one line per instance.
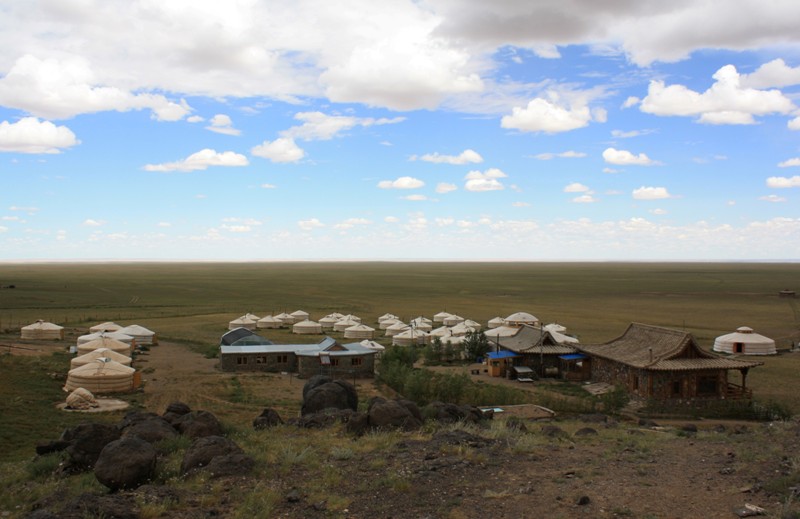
(573, 356)
(504, 354)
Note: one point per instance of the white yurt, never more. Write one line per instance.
(337, 315)
(387, 316)
(345, 323)
(520, 318)
(300, 315)
(107, 343)
(140, 334)
(420, 324)
(372, 345)
(307, 327)
(121, 337)
(396, 328)
(269, 321)
(454, 340)
(496, 322)
(107, 326)
(460, 330)
(409, 337)
(101, 376)
(440, 317)
(328, 321)
(285, 318)
(555, 327)
(453, 320)
(442, 331)
(93, 355)
(359, 331)
(746, 342)
(386, 323)
(243, 322)
(42, 330)
(475, 325)
(352, 317)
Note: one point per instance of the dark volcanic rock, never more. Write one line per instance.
(268, 418)
(148, 426)
(126, 463)
(449, 413)
(198, 424)
(322, 419)
(175, 410)
(554, 431)
(236, 464)
(330, 395)
(205, 449)
(85, 443)
(391, 414)
(586, 431)
(115, 506)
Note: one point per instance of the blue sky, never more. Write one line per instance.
(441, 129)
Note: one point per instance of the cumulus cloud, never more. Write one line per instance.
(486, 181)
(584, 199)
(772, 198)
(89, 222)
(401, 183)
(725, 102)
(223, 124)
(201, 160)
(29, 135)
(553, 114)
(465, 157)
(783, 182)
(576, 187)
(619, 134)
(415, 198)
(318, 126)
(351, 222)
(280, 150)
(391, 219)
(520, 204)
(268, 186)
(626, 158)
(658, 212)
(776, 73)
(563, 155)
(794, 162)
(310, 224)
(651, 193)
(60, 89)
(444, 187)
(163, 224)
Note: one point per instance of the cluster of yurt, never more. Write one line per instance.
(247, 321)
(42, 330)
(745, 341)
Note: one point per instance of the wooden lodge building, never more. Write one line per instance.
(538, 350)
(664, 364)
(244, 350)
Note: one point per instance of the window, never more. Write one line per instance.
(282, 359)
(635, 382)
(707, 386)
(676, 388)
(334, 361)
(241, 361)
(261, 360)
(356, 361)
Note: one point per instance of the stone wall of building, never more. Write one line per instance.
(268, 362)
(356, 366)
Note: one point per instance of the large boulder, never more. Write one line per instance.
(204, 450)
(236, 464)
(175, 410)
(198, 424)
(125, 463)
(86, 440)
(391, 414)
(450, 413)
(315, 381)
(322, 419)
(148, 426)
(268, 418)
(114, 506)
(330, 395)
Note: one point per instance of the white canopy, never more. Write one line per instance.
(307, 327)
(745, 341)
(520, 318)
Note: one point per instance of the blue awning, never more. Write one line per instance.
(573, 356)
(504, 354)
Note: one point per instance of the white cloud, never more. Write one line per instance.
(351, 222)
(444, 222)
(725, 102)
(486, 181)
(60, 89)
(783, 182)
(465, 157)
(576, 187)
(772, 198)
(29, 135)
(163, 224)
(658, 212)
(794, 124)
(29, 210)
(415, 198)
(3, 229)
(310, 224)
(626, 158)
(584, 199)
(236, 228)
(520, 204)
(89, 222)
(553, 115)
(619, 134)
(563, 155)
(651, 193)
(401, 183)
(319, 126)
(201, 160)
(268, 186)
(776, 73)
(194, 119)
(222, 123)
(631, 101)
(391, 219)
(794, 162)
(444, 187)
(280, 150)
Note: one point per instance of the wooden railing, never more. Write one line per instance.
(737, 391)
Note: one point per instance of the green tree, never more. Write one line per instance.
(476, 345)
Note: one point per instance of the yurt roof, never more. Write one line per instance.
(521, 317)
(299, 313)
(461, 328)
(555, 327)
(347, 320)
(360, 328)
(306, 322)
(421, 319)
(442, 331)
(372, 345)
(442, 315)
(329, 319)
(135, 329)
(399, 325)
(101, 353)
(352, 316)
(336, 315)
(269, 319)
(497, 320)
(123, 337)
(411, 333)
(472, 324)
(387, 316)
(254, 317)
(243, 320)
(501, 331)
(108, 325)
(42, 325)
(102, 367)
(105, 342)
(283, 315)
(744, 335)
